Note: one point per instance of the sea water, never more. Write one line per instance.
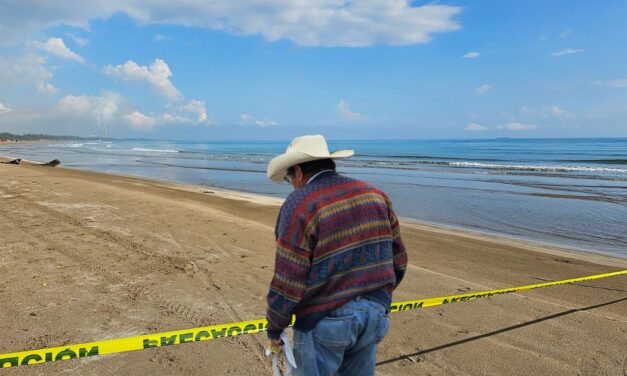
(566, 192)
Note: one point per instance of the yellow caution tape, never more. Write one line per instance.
(119, 345)
(430, 302)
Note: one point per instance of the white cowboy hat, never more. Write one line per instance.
(302, 149)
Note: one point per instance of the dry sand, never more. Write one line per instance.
(87, 256)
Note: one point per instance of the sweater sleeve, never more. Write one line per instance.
(398, 248)
(291, 269)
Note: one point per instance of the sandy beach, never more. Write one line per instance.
(87, 256)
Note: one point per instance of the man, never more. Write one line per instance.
(339, 257)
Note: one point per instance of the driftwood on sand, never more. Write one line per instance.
(53, 163)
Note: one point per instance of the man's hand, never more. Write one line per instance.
(275, 345)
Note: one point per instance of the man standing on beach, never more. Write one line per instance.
(339, 257)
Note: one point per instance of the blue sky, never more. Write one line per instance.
(349, 70)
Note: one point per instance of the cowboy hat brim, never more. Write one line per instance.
(278, 166)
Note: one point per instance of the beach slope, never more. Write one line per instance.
(87, 256)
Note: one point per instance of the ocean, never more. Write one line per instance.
(564, 192)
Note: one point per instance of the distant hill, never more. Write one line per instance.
(38, 137)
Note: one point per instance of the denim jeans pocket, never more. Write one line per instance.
(334, 331)
(383, 324)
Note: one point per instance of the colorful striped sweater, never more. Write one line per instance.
(337, 238)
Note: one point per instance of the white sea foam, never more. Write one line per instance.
(155, 150)
(493, 166)
(79, 145)
(539, 168)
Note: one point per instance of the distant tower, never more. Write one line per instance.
(102, 128)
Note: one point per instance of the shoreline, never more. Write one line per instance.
(133, 256)
(591, 255)
(529, 244)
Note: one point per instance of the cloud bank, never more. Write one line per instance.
(329, 23)
(96, 114)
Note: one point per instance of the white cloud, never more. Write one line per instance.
(567, 51)
(512, 126)
(168, 118)
(157, 75)
(246, 118)
(81, 42)
(56, 47)
(161, 38)
(4, 109)
(26, 70)
(614, 84)
(79, 104)
(472, 127)
(472, 55)
(140, 121)
(47, 87)
(111, 108)
(565, 33)
(307, 23)
(250, 119)
(553, 111)
(349, 114)
(196, 107)
(482, 89)
(102, 109)
(87, 115)
(560, 112)
(179, 114)
(81, 114)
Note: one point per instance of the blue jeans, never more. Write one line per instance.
(344, 342)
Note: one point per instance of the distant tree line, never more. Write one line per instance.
(39, 136)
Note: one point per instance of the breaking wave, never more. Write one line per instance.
(155, 150)
(539, 168)
(492, 166)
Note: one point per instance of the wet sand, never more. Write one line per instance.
(87, 256)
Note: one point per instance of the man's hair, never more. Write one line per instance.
(313, 167)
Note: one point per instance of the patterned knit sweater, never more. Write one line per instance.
(337, 238)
